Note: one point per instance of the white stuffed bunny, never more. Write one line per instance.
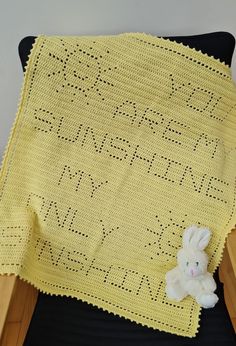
(190, 276)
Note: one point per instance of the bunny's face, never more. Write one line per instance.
(192, 262)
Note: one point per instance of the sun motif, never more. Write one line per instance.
(160, 232)
(82, 71)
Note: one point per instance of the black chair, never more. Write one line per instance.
(67, 321)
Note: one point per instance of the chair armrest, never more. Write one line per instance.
(17, 303)
(7, 284)
(231, 247)
(227, 274)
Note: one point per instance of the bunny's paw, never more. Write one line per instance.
(174, 292)
(207, 300)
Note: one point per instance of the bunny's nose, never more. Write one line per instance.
(192, 272)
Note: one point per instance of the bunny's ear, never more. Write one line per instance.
(196, 237)
(188, 235)
(203, 238)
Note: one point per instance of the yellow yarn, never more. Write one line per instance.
(119, 143)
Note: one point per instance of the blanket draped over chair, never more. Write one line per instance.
(120, 142)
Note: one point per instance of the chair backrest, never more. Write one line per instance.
(219, 44)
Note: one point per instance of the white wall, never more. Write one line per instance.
(20, 18)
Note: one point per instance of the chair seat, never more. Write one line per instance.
(63, 321)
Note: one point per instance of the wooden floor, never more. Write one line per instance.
(19, 307)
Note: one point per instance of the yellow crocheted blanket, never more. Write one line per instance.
(119, 143)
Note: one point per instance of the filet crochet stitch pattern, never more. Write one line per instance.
(120, 142)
